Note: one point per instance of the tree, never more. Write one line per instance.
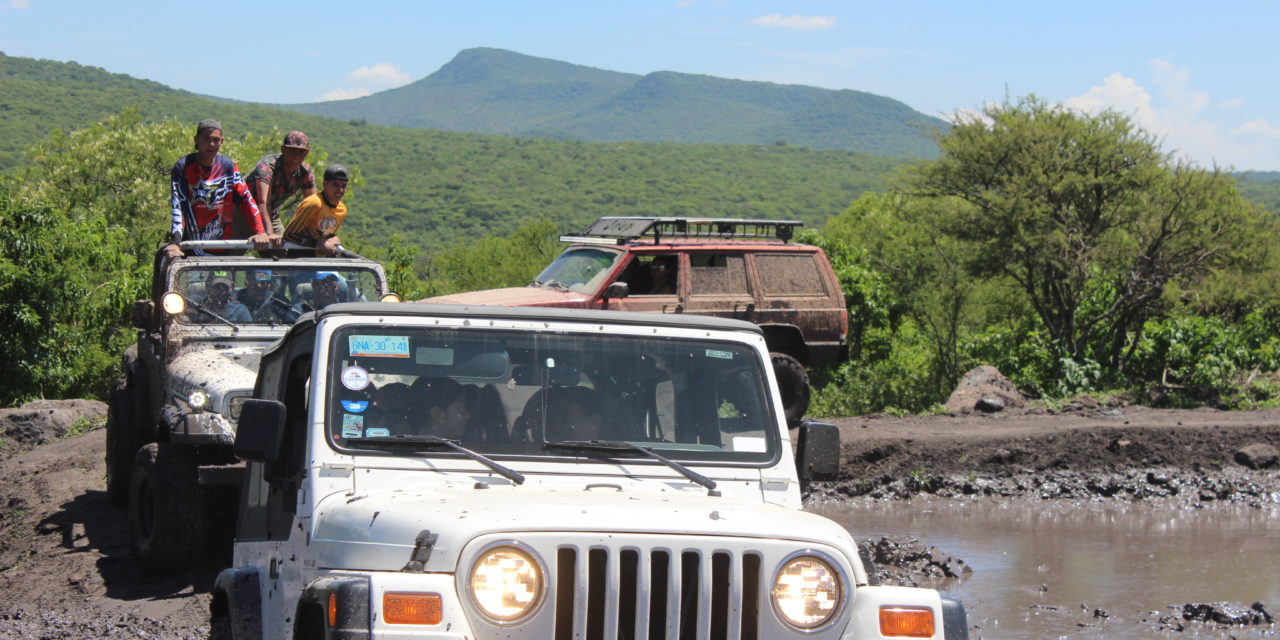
(1085, 214)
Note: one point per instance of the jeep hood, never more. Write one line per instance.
(376, 532)
(217, 370)
(516, 297)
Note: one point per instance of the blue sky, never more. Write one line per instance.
(1201, 75)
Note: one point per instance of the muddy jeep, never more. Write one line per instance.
(452, 471)
(729, 268)
(172, 416)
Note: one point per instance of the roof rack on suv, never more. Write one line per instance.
(623, 229)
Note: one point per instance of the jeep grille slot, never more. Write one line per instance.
(656, 594)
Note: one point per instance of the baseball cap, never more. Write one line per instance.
(296, 139)
(325, 275)
(260, 276)
(208, 124)
(335, 172)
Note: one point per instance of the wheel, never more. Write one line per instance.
(122, 444)
(220, 627)
(168, 512)
(793, 386)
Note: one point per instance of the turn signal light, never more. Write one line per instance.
(906, 622)
(411, 608)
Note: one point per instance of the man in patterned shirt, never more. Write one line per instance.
(207, 193)
(279, 176)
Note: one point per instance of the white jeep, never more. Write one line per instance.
(172, 417)
(448, 471)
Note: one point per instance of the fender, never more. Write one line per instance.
(351, 617)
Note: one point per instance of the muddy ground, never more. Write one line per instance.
(66, 571)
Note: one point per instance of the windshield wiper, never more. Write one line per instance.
(621, 446)
(436, 441)
(202, 309)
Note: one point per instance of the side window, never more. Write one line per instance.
(718, 274)
(653, 275)
(790, 274)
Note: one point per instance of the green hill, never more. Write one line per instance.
(435, 187)
(497, 91)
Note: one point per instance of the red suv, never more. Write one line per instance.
(731, 268)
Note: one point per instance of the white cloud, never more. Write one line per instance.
(1258, 127)
(16, 4)
(344, 94)
(382, 74)
(794, 22)
(1185, 119)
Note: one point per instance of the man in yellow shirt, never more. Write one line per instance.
(315, 222)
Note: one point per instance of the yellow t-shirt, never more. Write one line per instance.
(313, 221)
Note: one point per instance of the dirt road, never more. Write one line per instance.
(65, 570)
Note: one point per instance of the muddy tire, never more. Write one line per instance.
(220, 627)
(125, 406)
(793, 386)
(167, 509)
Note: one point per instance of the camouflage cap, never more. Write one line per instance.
(297, 140)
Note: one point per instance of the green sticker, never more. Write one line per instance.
(716, 353)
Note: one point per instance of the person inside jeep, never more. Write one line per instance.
(259, 296)
(445, 401)
(663, 272)
(326, 289)
(217, 302)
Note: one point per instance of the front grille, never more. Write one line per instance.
(656, 594)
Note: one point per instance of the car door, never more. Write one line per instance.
(718, 285)
(645, 294)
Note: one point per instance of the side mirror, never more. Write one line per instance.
(817, 452)
(617, 290)
(260, 430)
(144, 314)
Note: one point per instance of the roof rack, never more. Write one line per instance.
(622, 229)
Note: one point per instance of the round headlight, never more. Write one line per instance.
(198, 399)
(173, 303)
(391, 297)
(807, 592)
(506, 583)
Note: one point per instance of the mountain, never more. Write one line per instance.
(495, 91)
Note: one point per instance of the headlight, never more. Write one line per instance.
(391, 297)
(198, 400)
(506, 583)
(808, 592)
(173, 303)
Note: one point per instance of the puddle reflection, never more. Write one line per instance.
(1036, 564)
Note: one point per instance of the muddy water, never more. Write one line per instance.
(1040, 570)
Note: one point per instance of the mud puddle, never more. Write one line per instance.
(1089, 570)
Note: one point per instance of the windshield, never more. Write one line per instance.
(268, 293)
(578, 269)
(501, 392)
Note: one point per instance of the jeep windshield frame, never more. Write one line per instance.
(581, 269)
(509, 392)
(268, 293)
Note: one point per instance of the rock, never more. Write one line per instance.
(984, 389)
(1257, 456)
(1227, 613)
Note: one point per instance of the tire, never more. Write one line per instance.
(122, 444)
(220, 627)
(168, 512)
(793, 386)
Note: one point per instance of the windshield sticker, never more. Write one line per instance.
(723, 355)
(749, 445)
(355, 406)
(377, 432)
(434, 355)
(355, 378)
(349, 420)
(379, 346)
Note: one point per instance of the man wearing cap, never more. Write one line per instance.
(279, 176)
(259, 297)
(218, 302)
(316, 221)
(326, 289)
(207, 193)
